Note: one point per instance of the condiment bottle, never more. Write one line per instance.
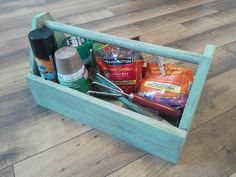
(43, 44)
(70, 69)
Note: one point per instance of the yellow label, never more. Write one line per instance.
(163, 86)
(125, 82)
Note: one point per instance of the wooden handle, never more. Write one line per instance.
(157, 106)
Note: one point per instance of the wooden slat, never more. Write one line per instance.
(31, 131)
(13, 83)
(217, 97)
(195, 22)
(160, 34)
(151, 18)
(173, 17)
(181, 55)
(210, 149)
(23, 17)
(58, 7)
(196, 89)
(135, 129)
(208, 152)
(89, 17)
(210, 22)
(233, 174)
(92, 154)
(22, 101)
(231, 47)
(19, 116)
(27, 129)
(222, 5)
(219, 37)
(168, 19)
(7, 172)
(24, 3)
(147, 165)
(134, 6)
(19, 44)
(222, 71)
(166, 34)
(223, 61)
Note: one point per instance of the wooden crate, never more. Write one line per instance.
(155, 137)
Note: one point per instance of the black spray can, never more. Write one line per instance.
(43, 44)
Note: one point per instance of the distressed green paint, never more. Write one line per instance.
(153, 136)
(197, 87)
(127, 43)
(158, 138)
(39, 21)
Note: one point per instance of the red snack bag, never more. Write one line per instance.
(171, 88)
(121, 66)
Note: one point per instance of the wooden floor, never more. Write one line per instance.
(35, 142)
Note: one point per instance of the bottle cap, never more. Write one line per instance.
(43, 43)
(67, 60)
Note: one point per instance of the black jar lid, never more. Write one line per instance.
(43, 43)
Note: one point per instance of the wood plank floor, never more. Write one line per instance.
(35, 142)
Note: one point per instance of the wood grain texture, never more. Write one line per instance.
(182, 55)
(189, 27)
(210, 153)
(70, 159)
(168, 19)
(27, 129)
(197, 86)
(225, 34)
(7, 172)
(233, 174)
(126, 125)
(211, 103)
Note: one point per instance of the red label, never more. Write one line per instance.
(126, 76)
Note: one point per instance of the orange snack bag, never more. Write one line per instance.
(171, 88)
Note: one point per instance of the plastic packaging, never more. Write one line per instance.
(171, 89)
(121, 66)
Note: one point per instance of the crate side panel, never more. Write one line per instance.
(157, 140)
(197, 87)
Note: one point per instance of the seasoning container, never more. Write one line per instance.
(43, 44)
(82, 45)
(70, 69)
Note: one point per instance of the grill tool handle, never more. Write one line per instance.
(161, 108)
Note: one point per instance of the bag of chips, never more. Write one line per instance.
(121, 66)
(171, 89)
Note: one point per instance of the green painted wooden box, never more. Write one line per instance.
(155, 137)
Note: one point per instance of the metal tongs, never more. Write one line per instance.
(135, 98)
